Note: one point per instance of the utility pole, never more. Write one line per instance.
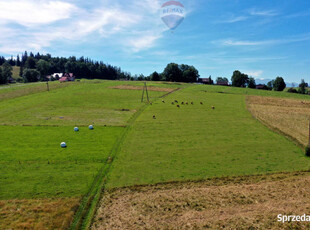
(147, 93)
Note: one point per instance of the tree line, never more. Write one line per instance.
(278, 84)
(38, 67)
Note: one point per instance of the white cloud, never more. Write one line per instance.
(256, 73)
(232, 42)
(34, 12)
(234, 19)
(268, 13)
(144, 42)
(39, 23)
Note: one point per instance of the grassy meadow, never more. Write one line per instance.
(128, 146)
(33, 124)
(197, 142)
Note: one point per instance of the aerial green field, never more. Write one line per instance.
(128, 146)
(34, 125)
(197, 142)
(34, 122)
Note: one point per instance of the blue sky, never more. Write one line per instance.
(264, 39)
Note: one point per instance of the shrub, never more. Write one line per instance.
(308, 151)
(20, 80)
(292, 90)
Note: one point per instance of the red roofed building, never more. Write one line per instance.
(67, 77)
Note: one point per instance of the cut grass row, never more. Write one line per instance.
(246, 202)
(290, 117)
(38, 214)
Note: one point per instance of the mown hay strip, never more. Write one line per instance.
(150, 88)
(51, 213)
(250, 202)
(289, 116)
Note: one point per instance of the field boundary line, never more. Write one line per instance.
(214, 181)
(89, 202)
(173, 91)
(274, 129)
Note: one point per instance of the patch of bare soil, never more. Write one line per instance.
(249, 202)
(38, 214)
(150, 88)
(289, 116)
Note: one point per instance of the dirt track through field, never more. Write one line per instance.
(239, 203)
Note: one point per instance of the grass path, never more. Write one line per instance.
(89, 203)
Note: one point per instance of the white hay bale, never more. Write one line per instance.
(63, 145)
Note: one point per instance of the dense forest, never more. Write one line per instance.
(37, 67)
(81, 67)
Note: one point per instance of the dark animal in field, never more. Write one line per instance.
(201, 103)
(178, 106)
(176, 101)
(154, 117)
(192, 103)
(163, 101)
(213, 107)
(182, 103)
(186, 103)
(172, 103)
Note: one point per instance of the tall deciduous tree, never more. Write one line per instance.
(172, 72)
(180, 73)
(155, 76)
(279, 84)
(6, 71)
(31, 75)
(251, 83)
(239, 79)
(43, 67)
(221, 79)
(302, 86)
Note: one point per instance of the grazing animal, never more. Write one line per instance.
(201, 103)
(176, 101)
(186, 103)
(178, 106)
(163, 101)
(192, 103)
(182, 103)
(172, 103)
(154, 117)
(213, 107)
